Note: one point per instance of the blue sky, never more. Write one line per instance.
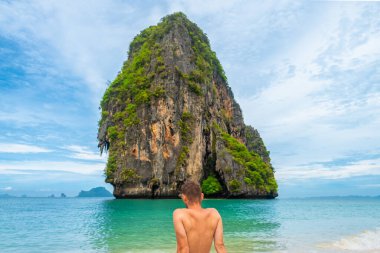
(306, 74)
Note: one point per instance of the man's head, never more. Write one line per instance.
(191, 193)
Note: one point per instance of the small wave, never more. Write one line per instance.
(366, 241)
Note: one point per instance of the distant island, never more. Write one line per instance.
(95, 192)
(6, 196)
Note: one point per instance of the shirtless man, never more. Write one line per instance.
(196, 227)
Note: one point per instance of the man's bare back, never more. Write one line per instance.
(199, 227)
(196, 227)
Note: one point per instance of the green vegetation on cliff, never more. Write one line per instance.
(129, 175)
(257, 173)
(204, 58)
(185, 124)
(235, 185)
(255, 143)
(211, 186)
(111, 166)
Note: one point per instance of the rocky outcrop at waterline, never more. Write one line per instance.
(170, 115)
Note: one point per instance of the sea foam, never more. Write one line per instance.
(366, 241)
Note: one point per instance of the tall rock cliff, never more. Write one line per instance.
(170, 115)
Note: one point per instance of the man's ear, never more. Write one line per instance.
(202, 196)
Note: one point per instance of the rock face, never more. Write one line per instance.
(170, 115)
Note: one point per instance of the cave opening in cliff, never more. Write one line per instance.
(154, 188)
(209, 164)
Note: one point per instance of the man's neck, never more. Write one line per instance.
(196, 206)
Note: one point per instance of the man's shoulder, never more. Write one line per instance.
(211, 209)
(179, 211)
(214, 211)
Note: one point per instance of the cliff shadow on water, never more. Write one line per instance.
(170, 115)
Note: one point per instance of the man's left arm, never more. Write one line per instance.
(180, 232)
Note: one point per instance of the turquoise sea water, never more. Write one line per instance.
(109, 225)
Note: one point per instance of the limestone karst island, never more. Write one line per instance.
(170, 115)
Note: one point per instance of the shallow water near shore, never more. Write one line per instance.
(110, 225)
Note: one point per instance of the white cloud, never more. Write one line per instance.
(370, 186)
(328, 108)
(27, 167)
(21, 148)
(19, 117)
(201, 7)
(8, 188)
(369, 167)
(84, 153)
(46, 190)
(91, 40)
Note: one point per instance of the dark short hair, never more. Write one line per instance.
(192, 190)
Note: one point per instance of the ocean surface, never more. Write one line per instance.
(110, 225)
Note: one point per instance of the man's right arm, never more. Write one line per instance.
(180, 232)
(218, 236)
